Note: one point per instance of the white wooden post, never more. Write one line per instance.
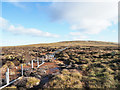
(37, 62)
(46, 56)
(7, 76)
(32, 63)
(22, 69)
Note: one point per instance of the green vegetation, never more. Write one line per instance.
(84, 64)
(32, 81)
(100, 65)
(67, 79)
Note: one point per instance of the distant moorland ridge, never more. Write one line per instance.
(71, 43)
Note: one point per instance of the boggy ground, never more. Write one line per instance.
(87, 65)
(94, 67)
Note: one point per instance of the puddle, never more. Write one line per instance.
(53, 70)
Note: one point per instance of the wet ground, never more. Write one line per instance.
(48, 67)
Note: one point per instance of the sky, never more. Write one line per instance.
(45, 22)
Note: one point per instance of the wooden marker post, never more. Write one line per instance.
(37, 62)
(46, 56)
(32, 63)
(42, 59)
(7, 76)
(22, 69)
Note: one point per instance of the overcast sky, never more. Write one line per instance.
(45, 22)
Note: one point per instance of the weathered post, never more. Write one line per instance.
(22, 69)
(7, 76)
(46, 56)
(32, 63)
(37, 62)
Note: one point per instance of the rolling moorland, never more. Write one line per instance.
(83, 64)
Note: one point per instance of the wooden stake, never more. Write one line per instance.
(22, 69)
(7, 76)
(46, 56)
(37, 62)
(32, 63)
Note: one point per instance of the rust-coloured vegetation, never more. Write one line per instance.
(84, 64)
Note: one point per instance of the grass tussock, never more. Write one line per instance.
(67, 79)
(32, 81)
